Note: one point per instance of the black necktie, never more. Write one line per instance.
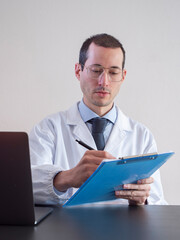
(98, 127)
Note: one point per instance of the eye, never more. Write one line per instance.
(114, 71)
(96, 70)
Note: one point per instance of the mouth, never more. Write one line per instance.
(102, 92)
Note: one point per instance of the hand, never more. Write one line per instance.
(76, 176)
(136, 194)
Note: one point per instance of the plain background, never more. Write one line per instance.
(39, 46)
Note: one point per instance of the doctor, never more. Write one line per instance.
(60, 165)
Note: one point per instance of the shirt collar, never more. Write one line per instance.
(87, 114)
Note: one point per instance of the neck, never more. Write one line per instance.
(100, 111)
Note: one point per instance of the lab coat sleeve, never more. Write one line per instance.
(44, 166)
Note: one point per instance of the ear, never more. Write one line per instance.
(124, 75)
(77, 70)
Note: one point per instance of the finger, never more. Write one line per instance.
(140, 187)
(90, 168)
(136, 200)
(101, 154)
(146, 181)
(91, 159)
(96, 156)
(133, 198)
(131, 194)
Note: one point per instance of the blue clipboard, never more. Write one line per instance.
(112, 174)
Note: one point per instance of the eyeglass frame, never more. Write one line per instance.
(88, 68)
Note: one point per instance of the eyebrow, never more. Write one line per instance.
(99, 65)
(116, 67)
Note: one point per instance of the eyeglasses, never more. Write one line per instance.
(95, 71)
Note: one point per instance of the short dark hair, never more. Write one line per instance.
(103, 40)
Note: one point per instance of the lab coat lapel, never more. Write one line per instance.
(82, 133)
(114, 141)
(79, 129)
(121, 128)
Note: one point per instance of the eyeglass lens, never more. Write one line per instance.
(95, 72)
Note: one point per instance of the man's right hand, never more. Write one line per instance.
(76, 176)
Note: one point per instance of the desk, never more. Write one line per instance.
(98, 223)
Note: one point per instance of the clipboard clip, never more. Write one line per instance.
(131, 159)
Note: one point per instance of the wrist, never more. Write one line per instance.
(61, 181)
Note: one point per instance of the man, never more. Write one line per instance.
(59, 164)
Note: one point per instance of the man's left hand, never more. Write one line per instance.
(136, 194)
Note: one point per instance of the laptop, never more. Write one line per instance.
(16, 195)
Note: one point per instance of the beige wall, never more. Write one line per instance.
(39, 45)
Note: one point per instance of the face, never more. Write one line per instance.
(99, 94)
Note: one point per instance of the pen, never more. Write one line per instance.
(84, 145)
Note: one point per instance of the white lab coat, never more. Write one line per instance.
(53, 149)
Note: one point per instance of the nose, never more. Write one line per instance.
(104, 79)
